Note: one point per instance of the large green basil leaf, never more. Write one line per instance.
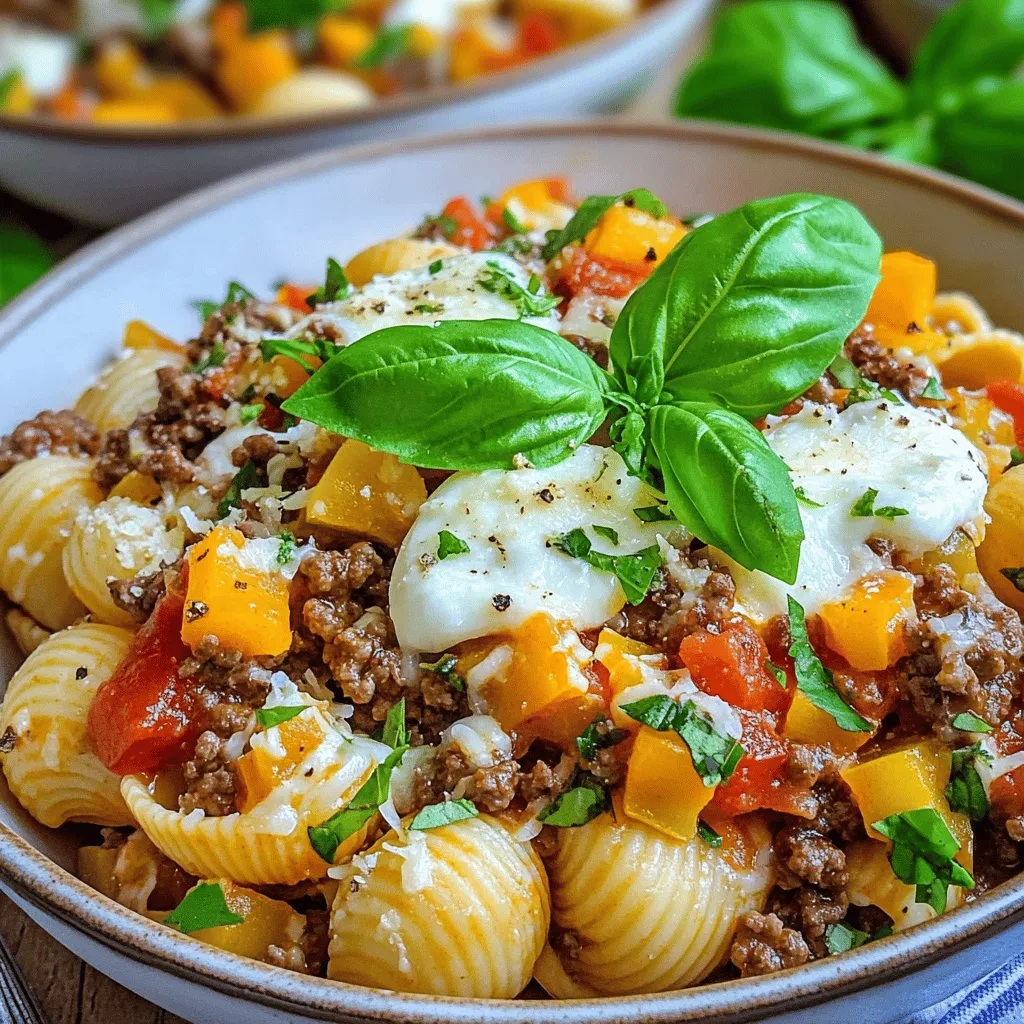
(909, 138)
(268, 14)
(464, 394)
(984, 138)
(750, 308)
(725, 484)
(790, 64)
(23, 259)
(973, 39)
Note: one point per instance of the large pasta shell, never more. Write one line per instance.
(126, 388)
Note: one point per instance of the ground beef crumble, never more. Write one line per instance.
(763, 945)
(48, 433)
(878, 363)
(138, 595)
(209, 779)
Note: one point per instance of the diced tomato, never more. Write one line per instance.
(538, 35)
(763, 762)
(1009, 396)
(733, 665)
(584, 273)
(1006, 792)
(471, 229)
(143, 715)
(294, 296)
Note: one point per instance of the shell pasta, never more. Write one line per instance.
(430, 628)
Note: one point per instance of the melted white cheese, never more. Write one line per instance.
(591, 316)
(440, 16)
(508, 519)
(912, 457)
(44, 59)
(419, 297)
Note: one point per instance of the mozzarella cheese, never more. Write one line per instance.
(914, 459)
(419, 297)
(43, 58)
(440, 16)
(592, 316)
(512, 571)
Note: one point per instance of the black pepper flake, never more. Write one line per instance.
(379, 307)
(912, 328)
(81, 672)
(629, 201)
(241, 585)
(501, 602)
(651, 256)
(195, 610)
(545, 495)
(203, 555)
(8, 740)
(903, 421)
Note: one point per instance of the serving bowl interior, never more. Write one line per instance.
(283, 222)
(105, 174)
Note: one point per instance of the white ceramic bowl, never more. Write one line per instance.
(108, 174)
(284, 221)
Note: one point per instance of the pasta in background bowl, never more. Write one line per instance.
(527, 831)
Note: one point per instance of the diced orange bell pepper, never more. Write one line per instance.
(227, 24)
(367, 492)
(733, 665)
(70, 102)
(806, 723)
(138, 487)
(471, 55)
(294, 296)
(189, 100)
(529, 201)
(245, 608)
(259, 773)
(290, 375)
(622, 658)
(900, 306)
(343, 40)
(866, 626)
(663, 789)
(139, 335)
(120, 70)
(250, 66)
(626, 235)
(133, 111)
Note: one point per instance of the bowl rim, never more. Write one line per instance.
(248, 126)
(32, 877)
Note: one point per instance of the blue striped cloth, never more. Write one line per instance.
(996, 999)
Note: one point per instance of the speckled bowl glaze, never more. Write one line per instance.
(284, 221)
(103, 174)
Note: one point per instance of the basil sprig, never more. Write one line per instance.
(966, 792)
(587, 798)
(592, 209)
(205, 906)
(743, 316)
(797, 65)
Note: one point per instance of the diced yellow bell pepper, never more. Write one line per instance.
(121, 70)
(985, 424)
(367, 492)
(422, 41)
(900, 306)
(138, 487)
(19, 98)
(564, 721)
(343, 40)
(267, 923)
(250, 66)
(259, 773)
(866, 626)
(957, 551)
(806, 723)
(95, 867)
(471, 54)
(189, 100)
(537, 205)
(663, 789)
(139, 335)
(622, 658)
(245, 608)
(134, 111)
(628, 235)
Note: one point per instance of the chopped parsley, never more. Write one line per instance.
(636, 572)
(335, 285)
(389, 44)
(203, 907)
(653, 514)
(236, 293)
(933, 390)
(814, 679)
(248, 476)
(1016, 458)
(445, 813)
(215, 357)
(585, 801)
(429, 307)
(435, 267)
(448, 544)
(967, 722)
(842, 937)
(599, 735)
(395, 734)
(248, 413)
(445, 668)
(294, 348)
(1015, 576)
(608, 533)
(708, 834)
(714, 756)
(966, 792)
(513, 223)
(446, 225)
(801, 496)
(864, 507)
(923, 854)
(528, 301)
(286, 548)
(269, 717)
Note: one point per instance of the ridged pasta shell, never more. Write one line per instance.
(269, 845)
(393, 256)
(52, 769)
(126, 388)
(39, 500)
(650, 913)
(474, 925)
(958, 313)
(117, 539)
(974, 360)
(27, 633)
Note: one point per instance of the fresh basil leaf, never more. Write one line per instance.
(269, 717)
(628, 435)
(445, 668)
(157, 16)
(842, 937)
(608, 533)
(780, 673)
(445, 813)
(528, 301)
(473, 394)
(966, 792)
(653, 514)
(727, 487)
(592, 209)
(635, 572)
(966, 722)
(296, 348)
(214, 358)
(599, 735)
(933, 390)
(910, 138)
(23, 260)
(864, 507)
(335, 285)
(974, 39)
(248, 476)
(1015, 576)
(751, 308)
(395, 734)
(390, 43)
(789, 64)
(1016, 458)
(268, 14)
(513, 223)
(203, 907)
(846, 374)
(708, 834)
(448, 544)
(584, 802)
(326, 838)
(248, 413)
(801, 496)
(236, 293)
(814, 679)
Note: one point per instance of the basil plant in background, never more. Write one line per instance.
(742, 316)
(23, 259)
(797, 65)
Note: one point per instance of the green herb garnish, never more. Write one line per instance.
(842, 937)
(296, 349)
(933, 390)
(248, 413)
(801, 496)
(864, 507)
(203, 907)
(335, 285)
(708, 834)
(608, 533)
(215, 357)
(248, 476)
(445, 668)
(653, 514)
(269, 717)
(388, 45)
(968, 722)
(966, 792)
(636, 572)
(448, 544)
(528, 301)
(1015, 576)
(513, 223)
(599, 735)
(584, 802)
(286, 547)
(445, 813)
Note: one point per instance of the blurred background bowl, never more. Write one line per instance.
(103, 175)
